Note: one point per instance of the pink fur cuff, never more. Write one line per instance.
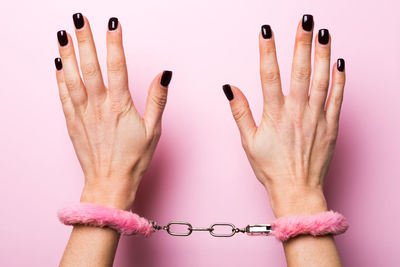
(323, 223)
(125, 222)
(128, 223)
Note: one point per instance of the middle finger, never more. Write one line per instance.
(301, 68)
(320, 81)
(88, 57)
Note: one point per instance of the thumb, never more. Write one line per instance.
(240, 110)
(157, 99)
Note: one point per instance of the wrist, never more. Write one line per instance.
(299, 200)
(119, 194)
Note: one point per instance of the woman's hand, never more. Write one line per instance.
(113, 143)
(290, 151)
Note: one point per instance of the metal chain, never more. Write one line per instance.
(251, 229)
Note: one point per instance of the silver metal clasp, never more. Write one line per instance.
(258, 229)
(216, 229)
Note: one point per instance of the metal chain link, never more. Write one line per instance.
(251, 229)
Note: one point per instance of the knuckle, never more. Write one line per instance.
(302, 73)
(321, 84)
(66, 54)
(153, 135)
(116, 66)
(156, 133)
(270, 49)
(275, 114)
(323, 54)
(90, 70)
(116, 105)
(69, 116)
(72, 127)
(330, 133)
(99, 114)
(304, 41)
(64, 98)
(332, 136)
(337, 100)
(159, 100)
(120, 104)
(68, 110)
(240, 113)
(115, 40)
(340, 82)
(270, 76)
(84, 38)
(72, 84)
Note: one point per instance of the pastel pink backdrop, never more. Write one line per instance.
(199, 172)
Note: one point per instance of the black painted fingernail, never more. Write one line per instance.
(266, 31)
(112, 24)
(307, 22)
(62, 38)
(228, 91)
(58, 63)
(78, 20)
(323, 36)
(166, 78)
(340, 64)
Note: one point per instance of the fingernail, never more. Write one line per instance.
(78, 20)
(340, 64)
(58, 63)
(307, 22)
(166, 78)
(323, 36)
(266, 31)
(112, 24)
(62, 38)
(228, 91)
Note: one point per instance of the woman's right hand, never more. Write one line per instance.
(114, 144)
(290, 151)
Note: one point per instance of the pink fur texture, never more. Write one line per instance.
(125, 222)
(323, 223)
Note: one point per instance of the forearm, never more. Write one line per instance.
(311, 251)
(95, 246)
(90, 246)
(305, 250)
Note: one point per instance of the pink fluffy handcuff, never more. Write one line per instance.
(129, 223)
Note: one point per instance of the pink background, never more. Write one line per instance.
(199, 173)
